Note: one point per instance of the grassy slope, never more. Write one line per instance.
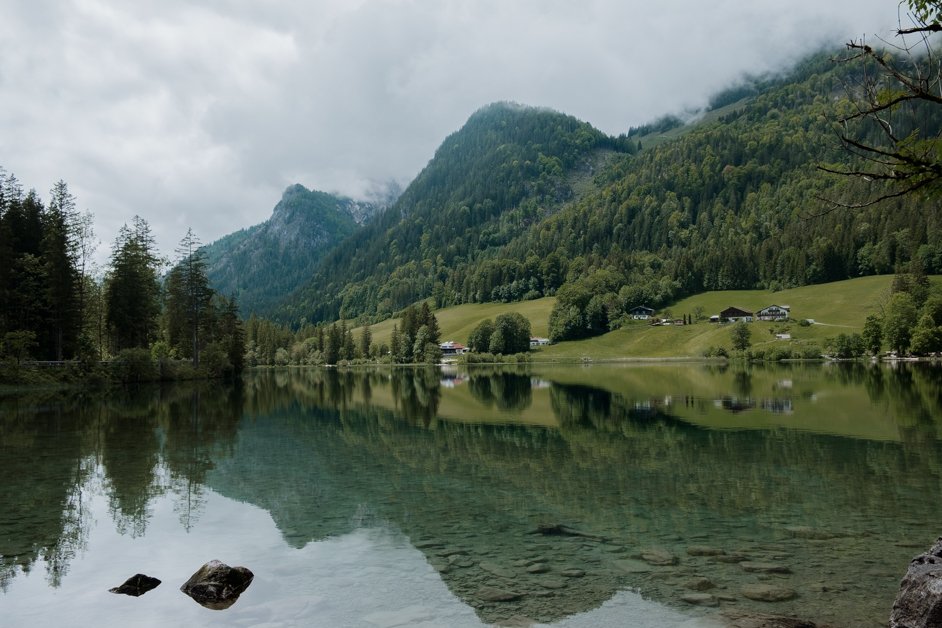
(837, 307)
(457, 322)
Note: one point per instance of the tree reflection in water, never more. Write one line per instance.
(644, 457)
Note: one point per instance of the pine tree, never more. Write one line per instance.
(395, 345)
(189, 298)
(366, 339)
(59, 253)
(232, 334)
(132, 292)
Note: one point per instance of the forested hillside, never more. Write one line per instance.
(261, 264)
(508, 168)
(522, 202)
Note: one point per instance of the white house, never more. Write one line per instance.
(452, 348)
(774, 313)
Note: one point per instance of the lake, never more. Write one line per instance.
(589, 495)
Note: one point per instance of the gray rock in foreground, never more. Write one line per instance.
(137, 585)
(216, 585)
(919, 602)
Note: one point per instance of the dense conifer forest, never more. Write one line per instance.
(146, 325)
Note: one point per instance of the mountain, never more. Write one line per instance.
(508, 168)
(263, 263)
(524, 202)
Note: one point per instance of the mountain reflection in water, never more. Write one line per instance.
(671, 476)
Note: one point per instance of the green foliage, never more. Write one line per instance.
(898, 322)
(927, 336)
(132, 291)
(364, 348)
(187, 300)
(872, 335)
(585, 307)
(715, 352)
(927, 11)
(848, 346)
(479, 341)
(134, 365)
(42, 269)
(511, 334)
(741, 336)
(18, 345)
(417, 340)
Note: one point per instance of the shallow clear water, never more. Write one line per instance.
(407, 497)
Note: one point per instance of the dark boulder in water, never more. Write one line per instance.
(216, 585)
(137, 585)
(919, 602)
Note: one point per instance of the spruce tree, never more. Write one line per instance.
(132, 292)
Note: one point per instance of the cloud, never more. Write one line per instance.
(199, 114)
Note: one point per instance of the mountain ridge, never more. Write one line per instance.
(262, 263)
(523, 202)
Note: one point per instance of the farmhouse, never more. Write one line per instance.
(774, 313)
(641, 313)
(452, 348)
(735, 315)
(539, 342)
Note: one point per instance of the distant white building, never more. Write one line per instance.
(774, 313)
(539, 342)
(452, 348)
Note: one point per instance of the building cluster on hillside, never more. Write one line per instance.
(729, 315)
(451, 348)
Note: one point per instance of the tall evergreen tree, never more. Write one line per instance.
(132, 291)
(366, 341)
(188, 298)
(60, 256)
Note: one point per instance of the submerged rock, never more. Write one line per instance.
(216, 585)
(497, 570)
(704, 550)
(699, 584)
(493, 594)
(558, 529)
(538, 568)
(700, 599)
(630, 565)
(756, 567)
(768, 593)
(919, 602)
(741, 619)
(137, 585)
(658, 556)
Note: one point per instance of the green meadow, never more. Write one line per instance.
(837, 307)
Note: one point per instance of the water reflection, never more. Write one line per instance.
(141, 443)
(822, 470)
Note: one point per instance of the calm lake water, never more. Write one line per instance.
(411, 497)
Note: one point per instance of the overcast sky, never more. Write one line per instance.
(198, 114)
